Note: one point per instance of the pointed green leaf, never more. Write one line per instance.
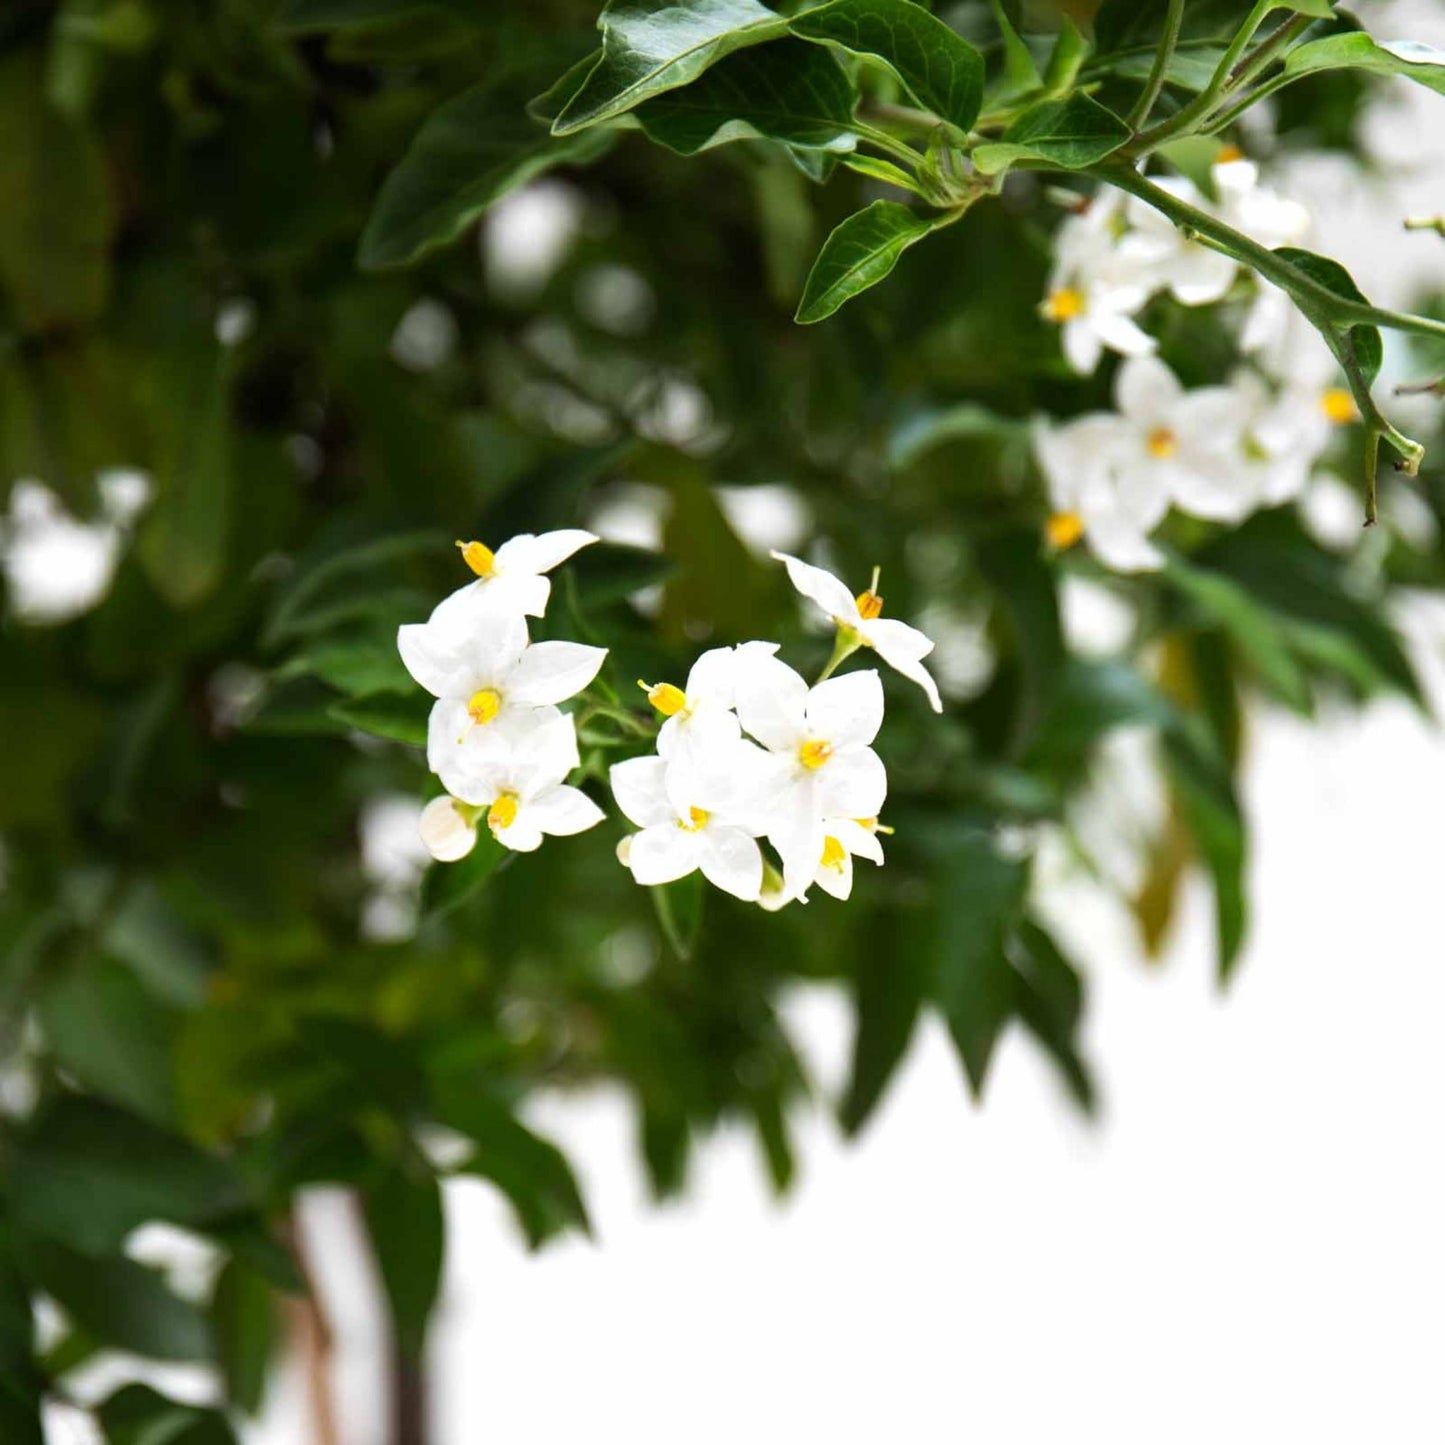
(788, 91)
(469, 154)
(652, 46)
(404, 1219)
(1358, 51)
(940, 69)
(859, 254)
(397, 717)
(1069, 133)
(1368, 346)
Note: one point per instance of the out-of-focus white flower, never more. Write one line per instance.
(843, 839)
(696, 813)
(1096, 287)
(511, 581)
(1260, 212)
(55, 567)
(699, 718)
(518, 782)
(486, 678)
(902, 647)
(1193, 273)
(823, 764)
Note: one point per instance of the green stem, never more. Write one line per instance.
(1204, 102)
(887, 143)
(621, 716)
(1172, 23)
(845, 645)
(1226, 118)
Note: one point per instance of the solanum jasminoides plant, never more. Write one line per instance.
(328, 845)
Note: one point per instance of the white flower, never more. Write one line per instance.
(1097, 287)
(843, 838)
(1261, 213)
(902, 647)
(695, 815)
(511, 581)
(448, 828)
(1190, 271)
(699, 718)
(487, 677)
(823, 764)
(517, 781)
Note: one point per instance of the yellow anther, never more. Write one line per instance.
(479, 558)
(1162, 443)
(1227, 154)
(1063, 529)
(834, 854)
(502, 813)
(696, 818)
(666, 698)
(1064, 304)
(815, 752)
(1339, 406)
(870, 605)
(484, 705)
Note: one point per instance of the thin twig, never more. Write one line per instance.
(1139, 116)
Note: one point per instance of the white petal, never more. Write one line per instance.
(836, 879)
(1082, 345)
(771, 700)
(831, 594)
(640, 789)
(495, 644)
(521, 836)
(446, 834)
(905, 660)
(711, 679)
(433, 659)
(855, 838)
(1119, 333)
(553, 672)
(704, 730)
(544, 754)
(799, 841)
(1145, 390)
(847, 711)
(732, 861)
(561, 811)
(1121, 546)
(529, 554)
(1200, 277)
(663, 854)
(852, 786)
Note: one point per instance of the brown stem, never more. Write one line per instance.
(312, 1341)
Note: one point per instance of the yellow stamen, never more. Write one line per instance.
(479, 558)
(1064, 304)
(814, 753)
(1227, 154)
(1339, 406)
(834, 854)
(1162, 443)
(1063, 529)
(503, 812)
(484, 705)
(870, 605)
(666, 698)
(696, 818)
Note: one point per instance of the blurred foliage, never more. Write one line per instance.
(204, 208)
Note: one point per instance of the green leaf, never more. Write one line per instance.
(451, 886)
(120, 1303)
(788, 91)
(1190, 70)
(1074, 132)
(401, 719)
(404, 1220)
(57, 210)
(652, 46)
(858, 254)
(1249, 625)
(532, 1173)
(90, 1174)
(607, 572)
(1358, 51)
(139, 1415)
(940, 69)
(979, 894)
(111, 1034)
(22, 1383)
(679, 912)
(1051, 1003)
(303, 15)
(244, 1314)
(469, 154)
(1369, 349)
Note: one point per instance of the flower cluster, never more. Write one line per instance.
(748, 753)
(1216, 452)
(496, 737)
